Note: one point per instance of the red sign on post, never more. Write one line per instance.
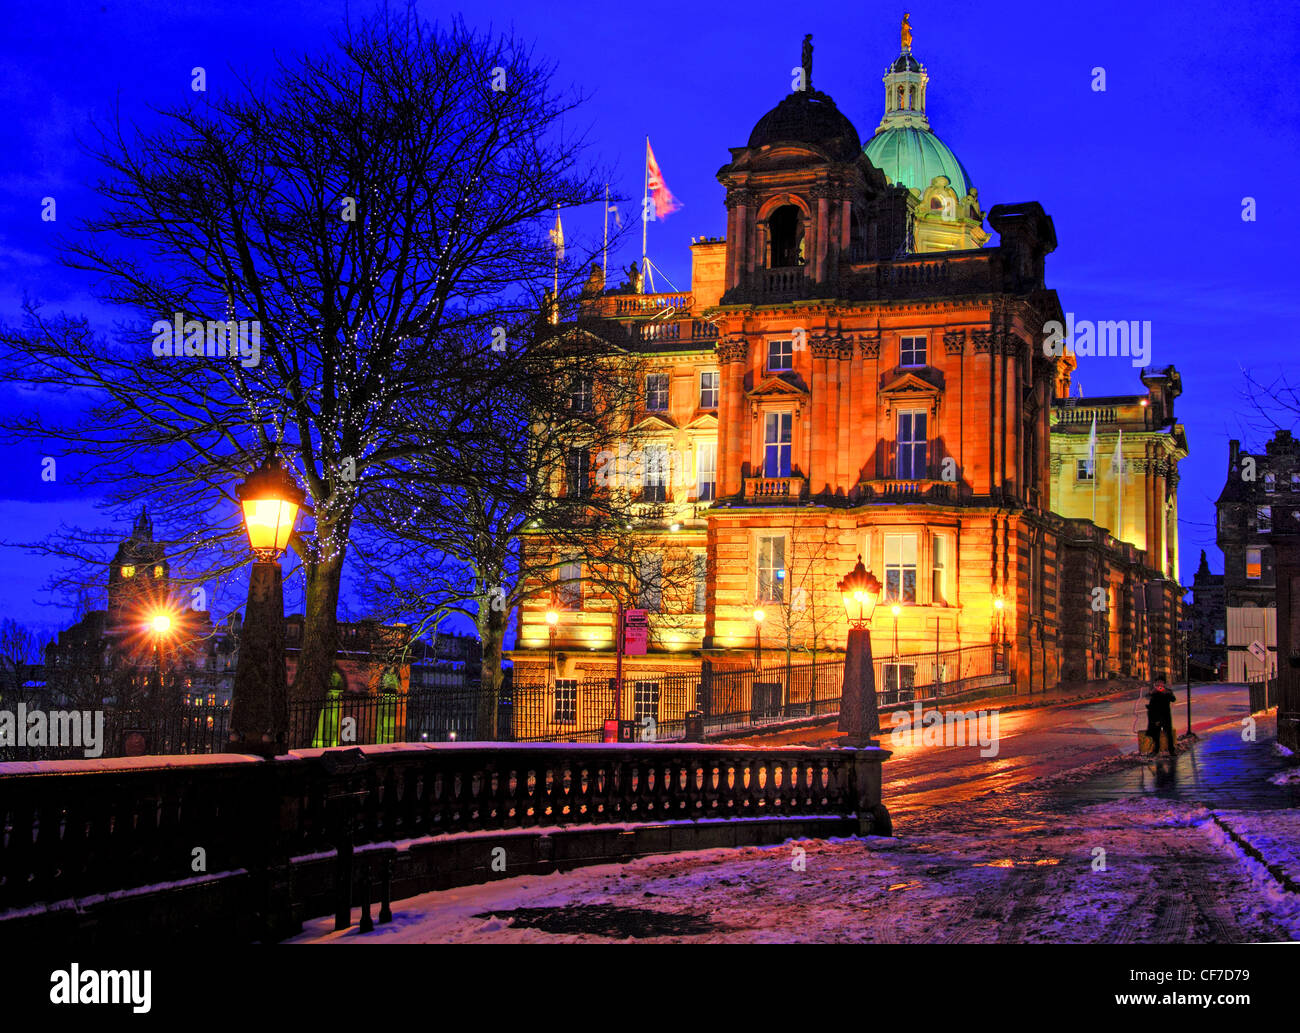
(636, 633)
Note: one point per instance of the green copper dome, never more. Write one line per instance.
(913, 157)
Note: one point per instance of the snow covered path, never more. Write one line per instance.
(1038, 878)
(1025, 847)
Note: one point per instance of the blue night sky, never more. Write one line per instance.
(1144, 181)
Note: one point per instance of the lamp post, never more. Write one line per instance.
(758, 639)
(895, 610)
(259, 714)
(997, 633)
(859, 716)
(552, 618)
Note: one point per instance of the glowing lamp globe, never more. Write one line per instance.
(160, 623)
(552, 618)
(860, 591)
(758, 616)
(271, 501)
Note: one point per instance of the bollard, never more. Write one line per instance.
(386, 893)
(367, 922)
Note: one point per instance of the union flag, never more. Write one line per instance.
(665, 203)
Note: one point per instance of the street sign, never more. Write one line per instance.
(1258, 651)
(636, 633)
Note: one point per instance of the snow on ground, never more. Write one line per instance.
(1141, 870)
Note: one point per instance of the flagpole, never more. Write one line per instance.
(1092, 461)
(1119, 487)
(645, 213)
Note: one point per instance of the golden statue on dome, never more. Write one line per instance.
(907, 33)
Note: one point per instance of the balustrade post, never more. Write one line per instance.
(865, 790)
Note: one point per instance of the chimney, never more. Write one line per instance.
(1234, 457)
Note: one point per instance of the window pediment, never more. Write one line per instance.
(654, 423)
(776, 390)
(910, 390)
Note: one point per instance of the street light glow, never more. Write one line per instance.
(758, 616)
(160, 623)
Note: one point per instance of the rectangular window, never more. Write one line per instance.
(656, 474)
(1254, 563)
(1263, 519)
(911, 445)
(899, 680)
(780, 355)
(566, 701)
(645, 700)
(568, 590)
(1295, 480)
(700, 561)
(580, 394)
(577, 471)
(911, 351)
(777, 431)
(1083, 470)
(709, 389)
(656, 392)
(771, 569)
(1270, 483)
(939, 568)
(900, 568)
(706, 471)
(651, 595)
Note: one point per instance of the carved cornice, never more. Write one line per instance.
(954, 342)
(733, 348)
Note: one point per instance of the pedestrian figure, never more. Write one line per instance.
(1160, 716)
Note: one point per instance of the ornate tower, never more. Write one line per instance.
(947, 214)
(138, 576)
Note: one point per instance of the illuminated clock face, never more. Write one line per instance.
(128, 572)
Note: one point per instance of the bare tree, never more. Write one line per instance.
(364, 225)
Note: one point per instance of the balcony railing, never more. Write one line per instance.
(913, 490)
(648, 304)
(680, 330)
(766, 489)
(1075, 415)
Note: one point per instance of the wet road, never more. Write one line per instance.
(1075, 751)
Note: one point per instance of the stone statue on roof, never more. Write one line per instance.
(907, 33)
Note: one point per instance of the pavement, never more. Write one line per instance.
(1063, 834)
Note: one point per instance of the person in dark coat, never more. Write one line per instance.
(1160, 716)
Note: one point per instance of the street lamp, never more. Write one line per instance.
(259, 714)
(758, 638)
(999, 637)
(895, 610)
(552, 618)
(859, 718)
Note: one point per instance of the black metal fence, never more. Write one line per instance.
(729, 700)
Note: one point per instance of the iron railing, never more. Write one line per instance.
(730, 699)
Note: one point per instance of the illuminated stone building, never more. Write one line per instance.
(853, 372)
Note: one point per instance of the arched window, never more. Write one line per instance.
(785, 236)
